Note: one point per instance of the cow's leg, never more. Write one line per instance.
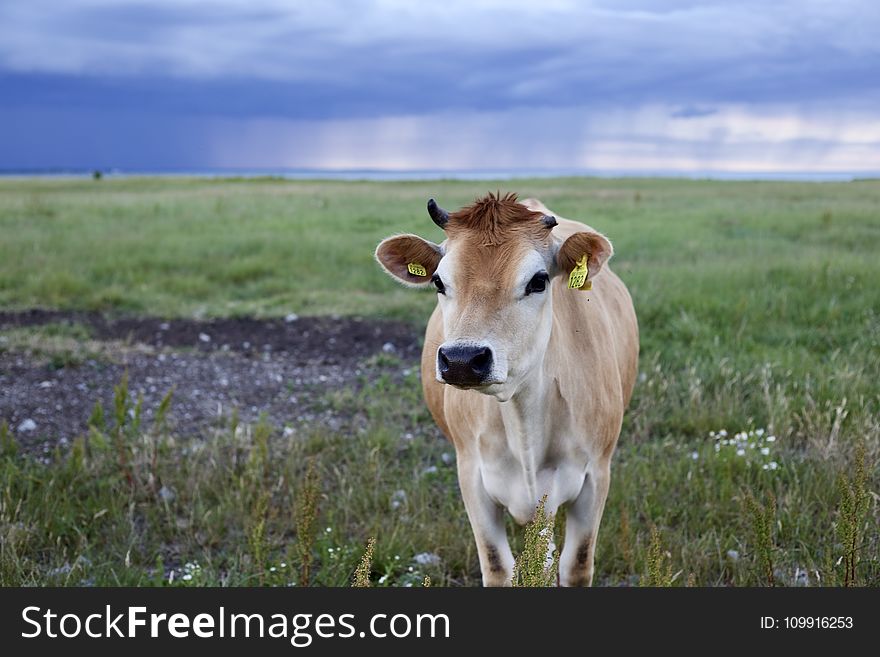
(487, 523)
(581, 527)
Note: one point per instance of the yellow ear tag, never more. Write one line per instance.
(577, 280)
(416, 269)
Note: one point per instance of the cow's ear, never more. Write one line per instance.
(590, 244)
(409, 258)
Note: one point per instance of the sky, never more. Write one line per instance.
(625, 85)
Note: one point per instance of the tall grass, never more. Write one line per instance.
(538, 563)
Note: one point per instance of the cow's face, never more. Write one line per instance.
(493, 275)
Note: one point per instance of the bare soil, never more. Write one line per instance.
(280, 368)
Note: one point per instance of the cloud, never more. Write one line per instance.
(735, 138)
(458, 84)
(461, 54)
(691, 112)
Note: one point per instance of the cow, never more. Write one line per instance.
(529, 361)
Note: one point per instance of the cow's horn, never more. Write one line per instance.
(438, 214)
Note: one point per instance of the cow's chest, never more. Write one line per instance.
(518, 479)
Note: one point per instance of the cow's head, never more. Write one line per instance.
(493, 275)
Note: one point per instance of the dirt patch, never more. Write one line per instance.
(282, 369)
(315, 340)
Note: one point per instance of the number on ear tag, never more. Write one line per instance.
(416, 269)
(577, 280)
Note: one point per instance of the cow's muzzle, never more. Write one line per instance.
(465, 365)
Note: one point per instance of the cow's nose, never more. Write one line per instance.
(464, 365)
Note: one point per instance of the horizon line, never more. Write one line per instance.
(391, 174)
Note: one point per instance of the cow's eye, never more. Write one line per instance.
(538, 283)
(435, 279)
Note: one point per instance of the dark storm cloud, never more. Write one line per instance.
(362, 59)
(170, 63)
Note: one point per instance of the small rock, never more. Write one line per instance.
(164, 326)
(27, 425)
(428, 559)
(430, 470)
(288, 432)
(398, 499)
(447, 458)
(204, 337)
(388, 348)
(61, 570)
(801, 577)
(166, 494)
(46, 384)
(292, 317)
(733, 555)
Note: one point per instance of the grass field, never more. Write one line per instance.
(758, 305)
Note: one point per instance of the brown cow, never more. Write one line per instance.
(528, 377)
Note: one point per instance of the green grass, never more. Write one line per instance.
(758, 306)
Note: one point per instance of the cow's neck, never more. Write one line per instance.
(524, 424)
